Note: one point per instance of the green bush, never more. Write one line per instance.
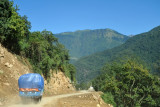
(109, 98)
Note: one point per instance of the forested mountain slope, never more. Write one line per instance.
(86, 42)
(145, 46)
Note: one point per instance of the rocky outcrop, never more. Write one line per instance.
(10, 70)
(58, 84)
(1, 53)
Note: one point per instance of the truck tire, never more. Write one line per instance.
(37, 100)
(40, 98)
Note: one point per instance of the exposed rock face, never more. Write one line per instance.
(8, 65)
(1, 72)
(1, 53)
(58, 84)
(10, 71)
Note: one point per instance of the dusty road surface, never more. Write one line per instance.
(46, 101)
(92, 99)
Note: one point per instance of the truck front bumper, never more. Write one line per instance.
(30, 94)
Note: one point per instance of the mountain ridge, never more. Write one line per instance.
(144, 46)
(85, 42)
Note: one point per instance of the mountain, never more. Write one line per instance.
(85, 42)
(145, 46)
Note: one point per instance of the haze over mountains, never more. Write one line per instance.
(85, 42)
(145, 46)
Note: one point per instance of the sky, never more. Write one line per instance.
(129, 17)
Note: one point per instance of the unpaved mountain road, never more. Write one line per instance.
(47, 101)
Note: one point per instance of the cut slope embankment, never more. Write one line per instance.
(11, 68)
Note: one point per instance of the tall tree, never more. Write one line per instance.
(5, 14)
(130, 84)
(13, 27)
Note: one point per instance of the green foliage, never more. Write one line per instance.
(42, 49)
(72, 72)
(12, 27)
(5, 14)
(86, 42)
(130, 84)
(108, 98)
(145, 46)
(83, 86)
(46, 54)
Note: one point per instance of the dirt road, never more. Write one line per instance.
(46, 101)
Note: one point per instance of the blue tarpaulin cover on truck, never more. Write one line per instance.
(31, 80)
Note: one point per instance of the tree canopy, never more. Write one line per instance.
(128, 84)
(145, 46)
(42, 49)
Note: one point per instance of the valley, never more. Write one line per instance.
(142, 47)
(113, 60)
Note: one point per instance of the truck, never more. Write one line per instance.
(31, 87)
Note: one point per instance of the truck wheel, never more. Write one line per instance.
(37, 100)
(40, 98)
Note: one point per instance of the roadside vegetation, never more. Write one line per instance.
(41, 48)
(126, 74)
(128, 84)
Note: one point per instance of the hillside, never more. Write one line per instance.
(85, 42)
(144, 46)
(10, 70)
(12, 67)
(59, 91)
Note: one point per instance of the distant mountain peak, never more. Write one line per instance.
(144, 47)
(155, 29)
(86, 42)
(89, 30)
